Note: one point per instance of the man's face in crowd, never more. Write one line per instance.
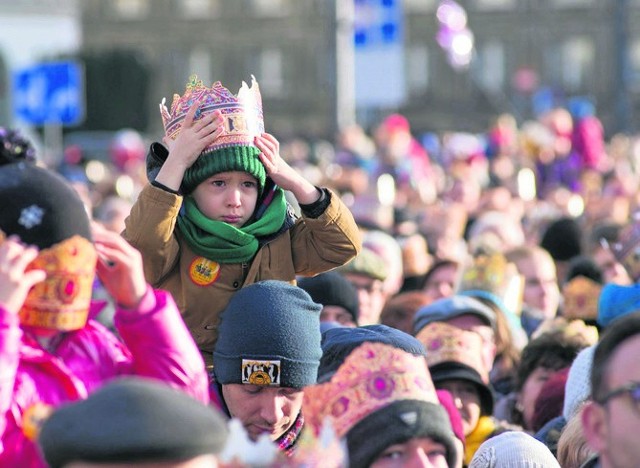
(612, 428)
(263, 409)
(371, 297)
(442, 282)
(467, 400)
(541, 289)
(337, 314)
(418, 452)
(612, 270)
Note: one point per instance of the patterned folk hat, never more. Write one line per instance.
(375, 390)
(454, 353)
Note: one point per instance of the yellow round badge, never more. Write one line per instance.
(203, 271)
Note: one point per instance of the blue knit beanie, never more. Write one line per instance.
(616, 301)
(338, 343)
(269, 335)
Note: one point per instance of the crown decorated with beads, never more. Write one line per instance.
(62, 300)
(242, 113)
(373, 376)
(448, 343)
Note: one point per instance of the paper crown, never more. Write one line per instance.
(448, 343)
(494, 274)
(581, 296)
(242, 114)
(62, 300)
(627, 249)
(373, 376)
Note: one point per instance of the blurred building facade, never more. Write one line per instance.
(568, 47)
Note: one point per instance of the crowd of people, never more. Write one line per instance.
(453, 300)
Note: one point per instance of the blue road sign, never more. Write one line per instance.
(49, 93)
(379, 53)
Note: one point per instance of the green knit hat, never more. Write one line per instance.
(231, 158)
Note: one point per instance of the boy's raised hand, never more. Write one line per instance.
(282, 173)
(15, 281)
(194, 137)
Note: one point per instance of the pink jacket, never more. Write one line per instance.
(156, 345)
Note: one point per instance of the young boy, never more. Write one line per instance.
(214, 217)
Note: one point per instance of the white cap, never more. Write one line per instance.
(577, 389)
(513, 449)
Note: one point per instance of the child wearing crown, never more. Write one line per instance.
(214, 217)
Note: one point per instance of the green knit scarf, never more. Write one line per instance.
(224, 243)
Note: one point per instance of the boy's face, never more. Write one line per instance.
(228, 196)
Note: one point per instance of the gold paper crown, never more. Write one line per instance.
(242, 114)
(62, 300)
(448, 343)
(373, 376)
(581, 296)
(495, 275)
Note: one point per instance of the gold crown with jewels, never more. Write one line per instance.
(373, 376)
(62, 300)
(242, 113)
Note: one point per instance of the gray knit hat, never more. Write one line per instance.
(577, 389)
(269, 335)
(132, 420)
(447, 308)
(513, 449)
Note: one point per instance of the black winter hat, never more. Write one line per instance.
(332, 289)
(458, 371)
(39, 206)
(563, 239)
(269, 335)
(132, 420)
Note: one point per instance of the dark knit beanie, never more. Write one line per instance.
(396, 422)
(563, 239)
(337, 344)
(332, 289)
(269, 335)
(232, 158)
(39, 206)
(132, 420)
